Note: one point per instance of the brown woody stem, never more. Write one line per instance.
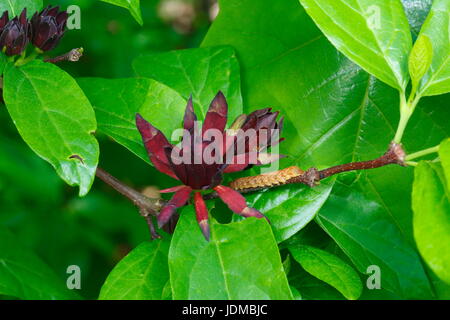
(148, 207)
(73, 56)
(394, 155)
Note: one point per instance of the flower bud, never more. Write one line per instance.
(260, 121)
(14, 36)
(48, 27)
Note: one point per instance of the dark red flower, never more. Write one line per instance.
(14, 36)
(48, 27)
(198, 173)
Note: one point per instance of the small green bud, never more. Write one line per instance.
(420, 59)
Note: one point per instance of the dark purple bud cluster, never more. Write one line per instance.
(44, 30)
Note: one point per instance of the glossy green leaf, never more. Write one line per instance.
(368, 237)
(444, 155)
(141, 275)
(329, 268)
(290, 208)
(241, 261)
(117, 101)
(198, 72)
(420, 59)
(24, 275)
(132, 5)
(373, 34)
(311, 288)
(437, 29)
(15, 7)
(55, 119)
(431, 205)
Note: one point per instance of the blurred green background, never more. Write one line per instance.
(96, 231)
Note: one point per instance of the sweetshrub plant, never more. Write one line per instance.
(360, 207)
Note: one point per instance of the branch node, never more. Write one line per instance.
(397, 153)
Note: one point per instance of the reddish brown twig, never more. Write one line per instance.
(73, 56)
(148, 207)
(394, 155)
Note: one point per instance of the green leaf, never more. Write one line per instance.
(141, 275)
(55, 119)
(437, 29)
(200, 72)
(15, 7)
(132, 5)
(241, 261)
(290, 208)
(420, 59)
(117, 101)
(431, 207)
(444, 155)
(373, 34)
(310, 287)
(330, 269)
(24, 275)
(368, 237)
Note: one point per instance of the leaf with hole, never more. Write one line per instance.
(55, 119)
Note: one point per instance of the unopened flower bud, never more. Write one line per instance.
(14, 36)
(48, 27)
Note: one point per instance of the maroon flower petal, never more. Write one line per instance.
(236, 202)
(268, 122)
(162, 167)
(202, 214)
(189, 116)
(216, 117)
(235, 168)
(171, 190)
(23, 18)
(180, 170)
(179, 199)
(155, 142)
